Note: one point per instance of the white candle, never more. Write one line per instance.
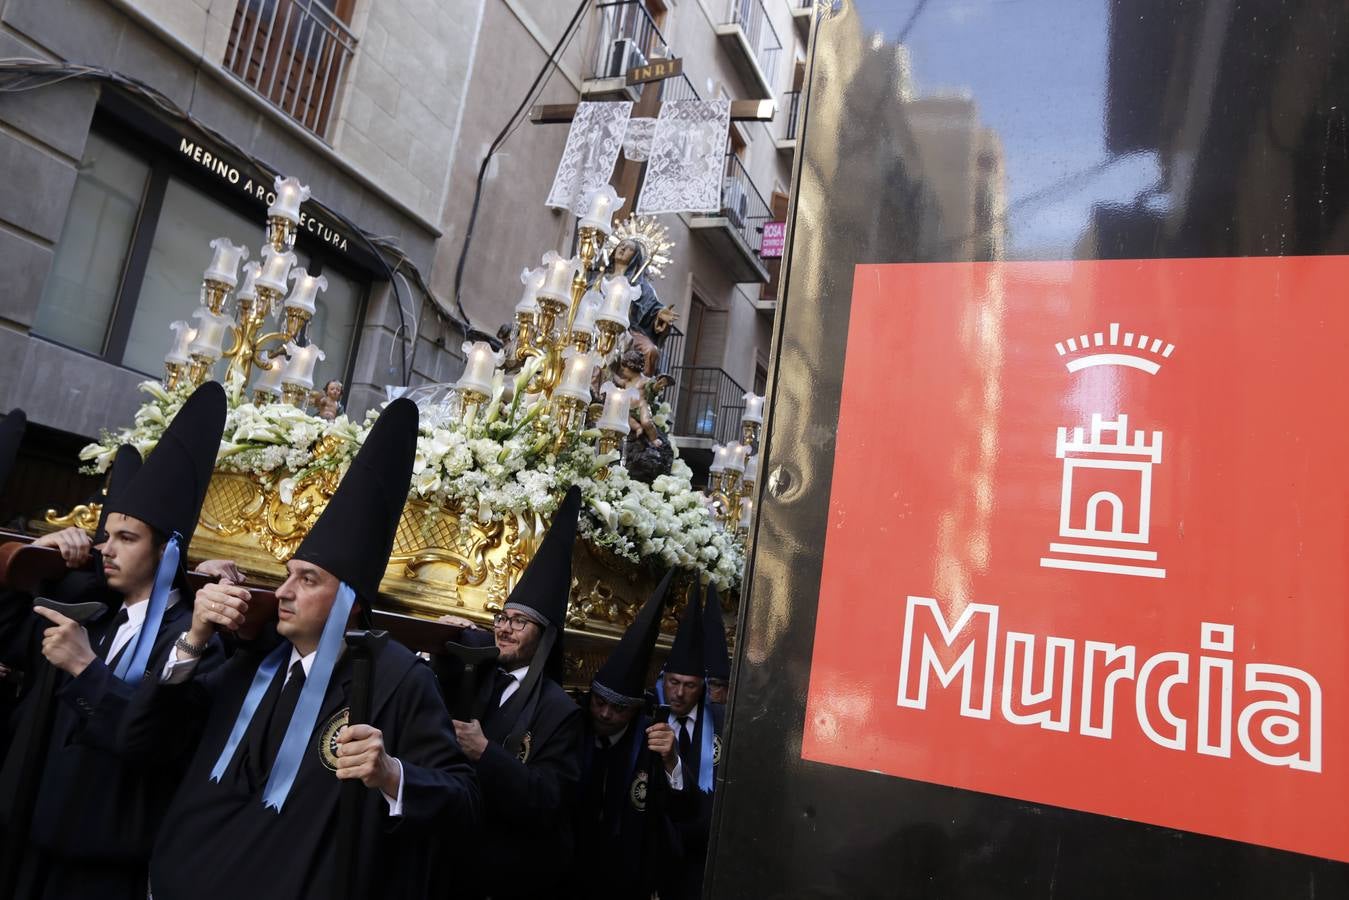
(289, 195)
(532, 279)
(753, 408)
(482, 362)
(275, 268)
(718, 459)
(576, 370)
(557, 276)
(751, 470)
(183, 335)
(746, 513)
(210, 337)
(300, 370)
(224, 267)
(248, 290)
(618, 295)
(617, 406)
(585, 313)
(270, 379)
(306, 289)
(600, 205)
(735, 456)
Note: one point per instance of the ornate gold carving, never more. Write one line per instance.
(83, 516)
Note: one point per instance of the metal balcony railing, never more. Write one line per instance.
(791, 107)
(629, 38)
(294, 53)
(707, 404)
(742, 204)
(671, 351)
(751, 16)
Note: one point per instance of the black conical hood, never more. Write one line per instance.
(168, 491)
(125, 465)
(716, 656)
(543, 589)
(622, 678)
(686, 656)
(354, 534)
(11, 435)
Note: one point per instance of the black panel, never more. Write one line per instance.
(1126, 129)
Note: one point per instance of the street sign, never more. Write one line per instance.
(1121, 504)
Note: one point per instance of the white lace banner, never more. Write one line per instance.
(688, 157)
(587, 163)
(637, 141)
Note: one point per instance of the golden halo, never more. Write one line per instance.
(650, 235)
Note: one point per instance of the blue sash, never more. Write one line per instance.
(307, 709)
(131, 667)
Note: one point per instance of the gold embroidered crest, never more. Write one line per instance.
(716, 749)
(637, 794)
(328, 737)
(523, 755)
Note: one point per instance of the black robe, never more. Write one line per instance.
(97, 814)
(219, 841)
(695, 829)
(627, 845)
(525, 843)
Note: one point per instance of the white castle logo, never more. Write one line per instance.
(1106, 499)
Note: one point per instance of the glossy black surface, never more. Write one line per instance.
(1128, 129)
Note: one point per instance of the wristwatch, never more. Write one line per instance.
(188, 649)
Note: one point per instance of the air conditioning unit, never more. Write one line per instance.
(624, 55)
(735, 203)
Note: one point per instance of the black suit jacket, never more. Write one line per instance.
(219, 841)
(526, 839)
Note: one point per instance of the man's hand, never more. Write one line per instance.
(471, 738)
(456, 621)
(360, 755)
(74, 544)
(223, 569)
(660, 739)
(66, 645)
(218, 607)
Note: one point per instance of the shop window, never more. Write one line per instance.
(80, 294)
(131, 255)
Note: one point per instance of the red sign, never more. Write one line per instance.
(1087, 541)
(774, 240)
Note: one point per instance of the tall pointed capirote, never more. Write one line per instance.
(622, 678)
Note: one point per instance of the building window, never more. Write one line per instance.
(132, 252)
(81, 291)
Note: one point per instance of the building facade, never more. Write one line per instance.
(134, 131)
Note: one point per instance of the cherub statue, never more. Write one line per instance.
(648, 452)
(328, 401)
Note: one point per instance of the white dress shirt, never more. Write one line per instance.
(517, 675)
(135, 620)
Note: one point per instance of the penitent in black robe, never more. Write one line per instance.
(626, 843)
(525, 843)
(97, 815)
(218, 839)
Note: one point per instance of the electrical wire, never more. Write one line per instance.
(511, 125)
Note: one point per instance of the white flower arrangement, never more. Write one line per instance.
(508, 459)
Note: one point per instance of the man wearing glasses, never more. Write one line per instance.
(526, 747)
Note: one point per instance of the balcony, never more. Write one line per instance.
(791, 115)
(735, 232)
(753, 45)
(294, 53)
(803, 12)
(707, 406)
(628, 38)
